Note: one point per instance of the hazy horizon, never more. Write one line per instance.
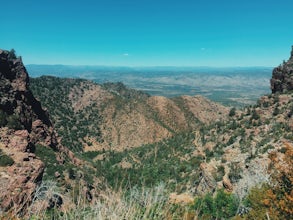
(141, 66)
(230, 86)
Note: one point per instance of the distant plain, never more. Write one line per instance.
(231, 86)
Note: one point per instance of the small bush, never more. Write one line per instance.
(5, 160)
(12, 54)
(232, 112)
(220, 173)
(13, 122)
(276, 111)
(254, 115)
(3, 118)
(222, 206)
(71, 173)
(48, 156)
(235, 173)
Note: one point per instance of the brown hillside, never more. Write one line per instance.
(119, 117)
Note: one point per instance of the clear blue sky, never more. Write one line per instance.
(148, 32)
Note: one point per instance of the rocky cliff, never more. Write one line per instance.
(282, 79)
(16, 99)
(24, 124)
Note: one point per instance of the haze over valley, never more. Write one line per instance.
(233, 86)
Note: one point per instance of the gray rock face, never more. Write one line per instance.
(282, 79)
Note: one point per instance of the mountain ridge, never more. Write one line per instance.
(122, 113)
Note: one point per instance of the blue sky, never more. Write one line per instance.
(148, 32)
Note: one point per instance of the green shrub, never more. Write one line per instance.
(13, 122)
(254, 115)
(232, 112)
(90, 154)
(276, 111)
(231, 140)
(226, 205)
(3, 118)
(222, 206)
(220, 173)
(290, 113)
(71, 173)
(235, 172)
(5, 160)
(276, 99)
(12, 54)
(48, 156)
(209, 154)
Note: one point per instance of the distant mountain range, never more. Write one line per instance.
(234, 86)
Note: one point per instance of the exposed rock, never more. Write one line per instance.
(282, 79)
(44, 134)
(180, 198)
(207, 182)
(57, 174)
(227, 184)
(17, 99)
(19, 181)
(20, 140)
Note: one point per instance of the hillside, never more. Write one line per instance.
(93, 117)
(226, 152)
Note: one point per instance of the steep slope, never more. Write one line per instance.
(94, 117)
(233, 154)
(239, 149)
(25, 129)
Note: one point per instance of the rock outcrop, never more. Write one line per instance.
(16, 99)
(23, 125)
(207, 182)
(282, 79)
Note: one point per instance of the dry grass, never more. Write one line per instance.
(131, 205)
